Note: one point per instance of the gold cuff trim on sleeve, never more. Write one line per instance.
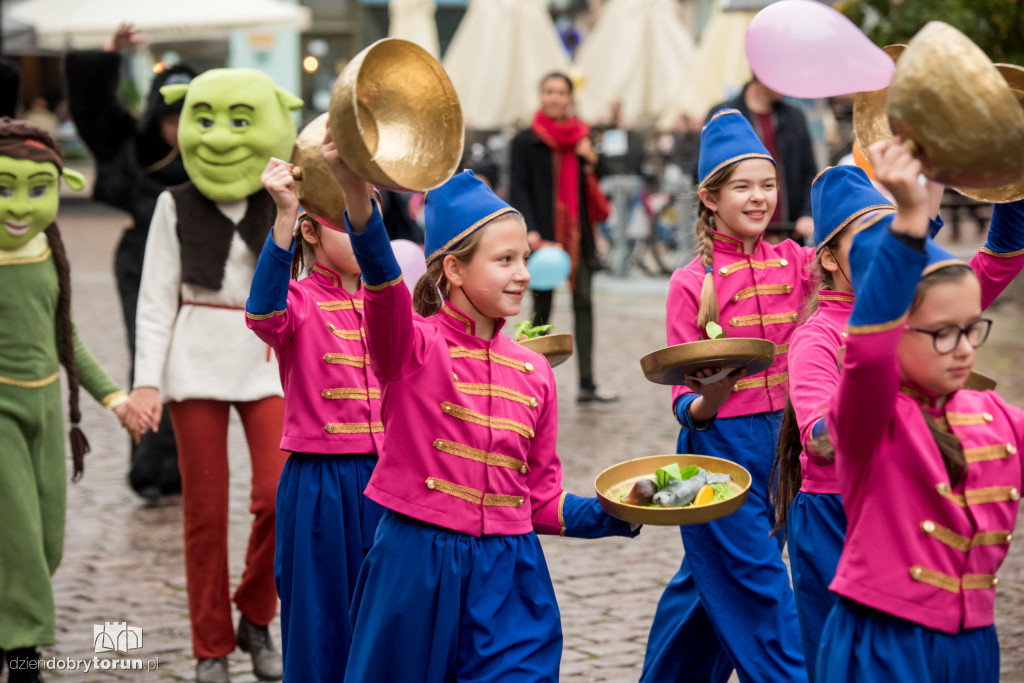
(488, 355)
(351, 393)
(344, 359)
(31, 384)
(389, 283)
(876, 327)
(470, 453)
(1001, 254)
(496, 391)
(997, 451)
(761, 382)
(488, 421)
(354, 427)
(340, 305)
(263, 316)
(117, 396)
(561, 514)
(760, 290)
(350, 335)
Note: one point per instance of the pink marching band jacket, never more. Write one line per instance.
(471, 424)
(332, 398)
(917, 547)
(813, 353)
(758, 296)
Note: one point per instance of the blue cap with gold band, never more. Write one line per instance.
(839, 196)
(727, 139)
(456, 210)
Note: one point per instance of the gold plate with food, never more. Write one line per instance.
(557, 348)
(673, 490)
(674, 364)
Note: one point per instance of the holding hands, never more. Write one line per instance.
(138, 415)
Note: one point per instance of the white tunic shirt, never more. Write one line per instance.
(198, 351)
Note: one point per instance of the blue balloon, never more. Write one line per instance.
(549, 267)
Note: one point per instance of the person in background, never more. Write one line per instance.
(783, 130)
(136, 160)
(548, 164)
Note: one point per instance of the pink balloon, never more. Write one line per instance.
(411, 260)
(803, 48)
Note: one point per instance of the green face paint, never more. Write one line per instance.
(28, 200)
(232, 122)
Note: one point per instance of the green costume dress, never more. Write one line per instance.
(32, 457)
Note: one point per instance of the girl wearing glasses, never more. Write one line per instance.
(808, 505)
(930, 473)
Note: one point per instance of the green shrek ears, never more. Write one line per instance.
(20, 142)
(232, 122)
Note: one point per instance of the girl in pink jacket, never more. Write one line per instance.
(332, 429)
(455, 586)
(930, 473)
(808, 507)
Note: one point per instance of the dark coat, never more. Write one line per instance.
(532, 192)
(133, 162)
(795, 154)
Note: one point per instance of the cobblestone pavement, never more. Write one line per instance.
(123, 559)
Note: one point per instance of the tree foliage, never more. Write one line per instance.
(996, 26)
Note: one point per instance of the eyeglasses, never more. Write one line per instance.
(946, 339)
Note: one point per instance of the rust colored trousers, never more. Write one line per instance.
(202, 430)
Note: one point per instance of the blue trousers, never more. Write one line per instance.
(730, 604)
(325, 525)
(863, 644)
(816, 529)
(436, 606)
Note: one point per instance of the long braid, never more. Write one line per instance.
(79, 444)
(708, 310)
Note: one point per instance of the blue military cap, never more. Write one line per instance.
(727, 139)
(839, 196)
(456, 210)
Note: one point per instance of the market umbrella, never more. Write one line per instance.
(638, 55)
(413, 20)
(497, 57)
(83, 24)
(722, 67)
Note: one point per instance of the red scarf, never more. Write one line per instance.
(561, 137)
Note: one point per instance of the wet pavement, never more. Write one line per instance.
(123, 559)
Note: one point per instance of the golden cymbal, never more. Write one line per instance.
(395, 117)
(870, 122)
(619, 479)
(671, 365)
(557, 348)
(315, 184)
(1013, 191)
(949, 99)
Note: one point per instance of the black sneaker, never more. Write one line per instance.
(595, 395)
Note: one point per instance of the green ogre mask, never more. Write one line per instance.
(232, 122)
(30, 168)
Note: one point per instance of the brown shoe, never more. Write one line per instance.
(266, 661)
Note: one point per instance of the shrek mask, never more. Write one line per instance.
(29, 198)
(232, 122)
